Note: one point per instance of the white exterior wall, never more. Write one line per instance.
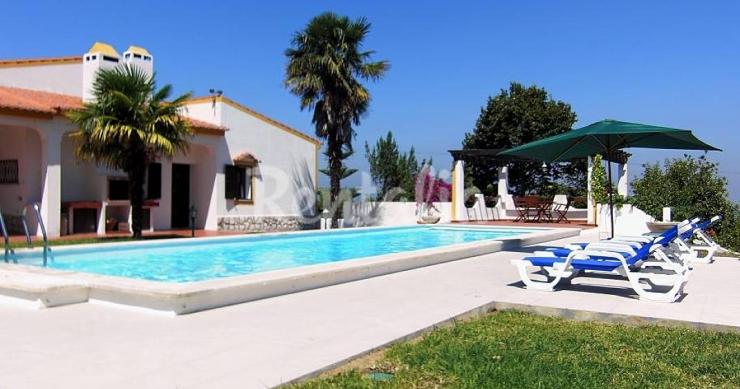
(285, 182)
(23, 145)
(202, 185)
(82, 181)
(286, 177)
(369, 214)
(40, 160)
(59, 78)
(205, 111)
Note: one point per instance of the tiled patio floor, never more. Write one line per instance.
(268, 342)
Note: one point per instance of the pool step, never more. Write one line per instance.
(36, 290)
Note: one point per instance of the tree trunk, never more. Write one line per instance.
(335, 178)
(136, 196)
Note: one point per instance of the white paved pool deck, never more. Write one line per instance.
(268, 342)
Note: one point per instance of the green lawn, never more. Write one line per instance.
(513, 349)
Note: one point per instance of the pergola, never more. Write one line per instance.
(493, 156)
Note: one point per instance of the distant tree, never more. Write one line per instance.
(326, 64)
(129, 124)
(517, 116)
(392, 171)
(344, 171)
(693, 187)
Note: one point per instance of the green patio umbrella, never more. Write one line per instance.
(606, 137)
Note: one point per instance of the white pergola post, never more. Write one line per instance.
(503, 188)
(51, 197)
(458, 192)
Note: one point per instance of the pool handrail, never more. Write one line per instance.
(37, 208)
(6, 238)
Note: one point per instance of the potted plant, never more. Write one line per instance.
(430, 189)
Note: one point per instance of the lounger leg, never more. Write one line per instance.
(708, 258)
(691, 253)
(664, 258)
(677, 282)
(558, 273)
(706, 239)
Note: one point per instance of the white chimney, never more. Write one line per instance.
(139, 57)
(100, 56)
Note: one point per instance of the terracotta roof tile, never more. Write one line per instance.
(12, 63)
(33, 101)
(37, 101)
(195, 123)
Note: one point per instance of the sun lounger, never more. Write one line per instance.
(625, 245)
(677, 242)
(685, 241)
(636, 266)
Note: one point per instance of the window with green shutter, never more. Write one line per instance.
(239, 183)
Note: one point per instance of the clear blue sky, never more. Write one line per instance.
(661, 62)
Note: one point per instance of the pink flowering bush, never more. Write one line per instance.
(430, 189)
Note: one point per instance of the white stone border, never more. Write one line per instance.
(51, 287)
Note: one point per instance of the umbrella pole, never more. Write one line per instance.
(611, 202)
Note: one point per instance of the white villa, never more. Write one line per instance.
(243, 171)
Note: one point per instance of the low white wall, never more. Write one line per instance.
(628, 220)
(365, 214)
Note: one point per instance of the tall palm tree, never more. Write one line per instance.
(127, 125)
(326, 65)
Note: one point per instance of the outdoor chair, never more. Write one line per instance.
(533, 205)
(634, 265)
(561, 211)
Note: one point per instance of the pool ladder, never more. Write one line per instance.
(6, 239)
(29, 242)
(42, 227)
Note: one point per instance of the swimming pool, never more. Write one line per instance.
(184, 260)
(182, 276)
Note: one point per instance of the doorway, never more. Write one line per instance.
(180, 196)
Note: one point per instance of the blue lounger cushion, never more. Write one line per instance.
(595, 264)
(580, 264)
(544, 261)
(563, 252)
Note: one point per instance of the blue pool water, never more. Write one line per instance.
(195, 260)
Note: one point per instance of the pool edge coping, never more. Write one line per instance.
(48, 288)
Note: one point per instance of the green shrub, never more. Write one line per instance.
(693, 188)
(600, 183)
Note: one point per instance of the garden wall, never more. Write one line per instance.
(368, 214)
(628, 220)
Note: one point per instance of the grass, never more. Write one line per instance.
(93, 240)
(514, 349)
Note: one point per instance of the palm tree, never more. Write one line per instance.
(127, 125)
(325, 66)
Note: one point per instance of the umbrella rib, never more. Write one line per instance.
(576, 143)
